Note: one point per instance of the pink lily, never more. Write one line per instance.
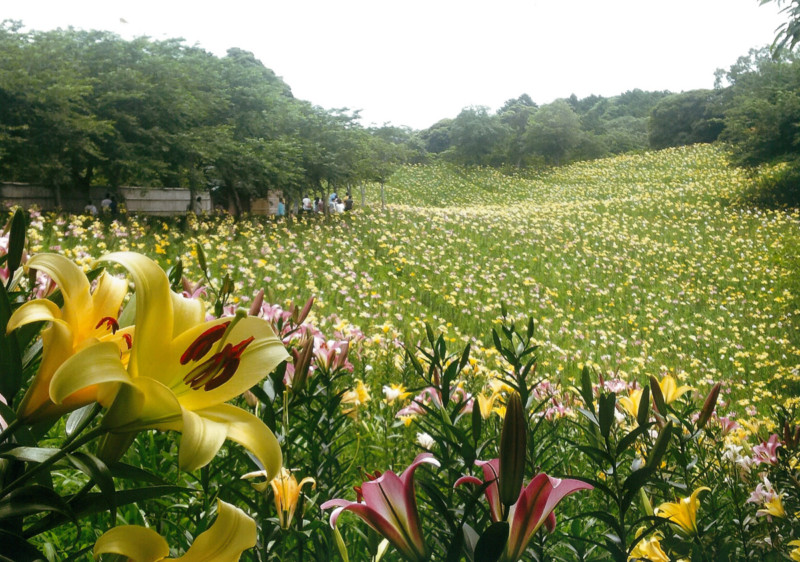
(766, 452)
(389, 506)
(533, 509)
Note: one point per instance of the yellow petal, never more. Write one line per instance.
(201, 440)
(154, 319)
(108, 295)
(71, 281)
(144, 404)
(251, 433)
(231, 534)
(187, 313)
(39, 310)
(79, 377)
(139, 544)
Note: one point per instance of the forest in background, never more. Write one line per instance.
(82, 108)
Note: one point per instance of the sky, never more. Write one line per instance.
(414, 62)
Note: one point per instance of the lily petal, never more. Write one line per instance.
(39, 310)
(231, 534)
(250, 432)
(139, 544)
(201, 439)
(77, 380)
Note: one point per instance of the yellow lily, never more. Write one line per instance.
(683, 513)
(84, 328)
(182, 370)
(486, 404)
(231, 534)
(285, 490)
(356, 397)
(795, 553)
(773, 507)
(649, 549)
(671, 390)
(630, 403)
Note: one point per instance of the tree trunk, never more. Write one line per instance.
(363, 195)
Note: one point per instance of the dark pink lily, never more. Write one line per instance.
(389, 506)
(533, 509)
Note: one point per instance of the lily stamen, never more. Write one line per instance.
(200, 347)
(219, 368)
(111, 324)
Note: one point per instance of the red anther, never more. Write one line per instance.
(111, 324)
(359, 494)
(204, 342)
(219, 368)
(128, 340)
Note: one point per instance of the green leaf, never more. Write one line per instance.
(130, 472)
(631, 437)
(80, 417)
(17, 549)
(492, 542)
(660, 446)
(10, 357)
(100, 474)
(586, 388)
(30, 454)
(644, 407)
(201, 259)
(606, 404)
(16, 243)
(32, 500)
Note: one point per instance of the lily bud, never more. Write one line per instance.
(258, 300)
(708, 406)
(658, 396)
(513, 446)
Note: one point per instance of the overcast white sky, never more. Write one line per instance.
(417, 61)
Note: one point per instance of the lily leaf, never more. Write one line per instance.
(30, 454)
(32, 500)
(97, 470)
(492, 542)
(10, 357)
(22, 550)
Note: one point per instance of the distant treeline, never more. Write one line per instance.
(83, 108)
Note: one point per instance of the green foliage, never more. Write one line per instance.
(686, 118)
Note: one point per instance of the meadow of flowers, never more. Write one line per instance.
(646, 319)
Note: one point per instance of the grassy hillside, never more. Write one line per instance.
(635, 264)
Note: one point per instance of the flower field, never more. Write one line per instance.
(643, 277)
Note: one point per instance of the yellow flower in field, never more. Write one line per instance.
(671, 390)
(683, 513)
(630, 403)
(84, 329)
(286, 492)
(393, 392)
(231, 534)
(486, 404)
(649, 549)
(795, 553)
(182, 370)
(356, 397)
(773, 507)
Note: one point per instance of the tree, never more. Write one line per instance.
(554, 131)
(686, 118)
(475, 135)
(788, 34)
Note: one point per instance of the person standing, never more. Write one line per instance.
(281, 207)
